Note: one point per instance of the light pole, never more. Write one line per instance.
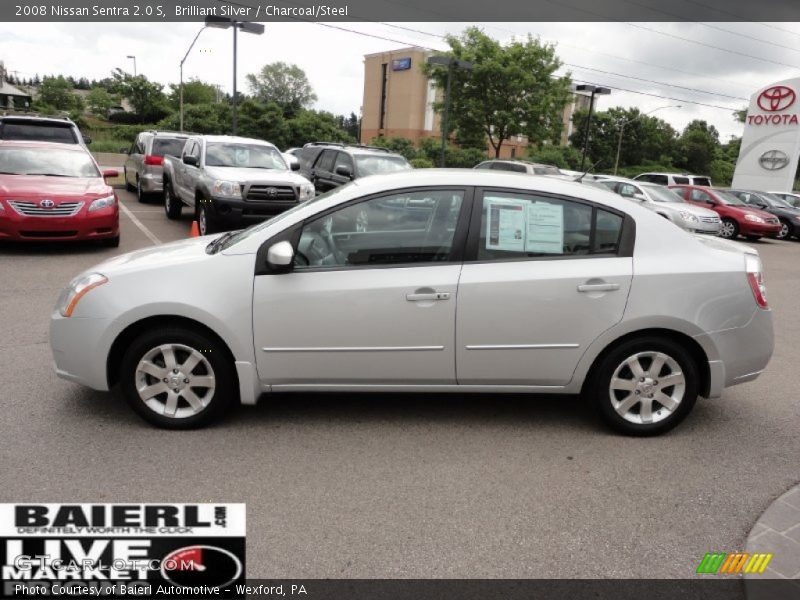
(594, 90)
(133, 58)
(624, 123)
(183, 60)
(245, 26)
(451, 64)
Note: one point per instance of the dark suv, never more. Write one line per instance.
(31, 128)
(328, 165)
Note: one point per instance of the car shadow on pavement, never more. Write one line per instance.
(49, 248)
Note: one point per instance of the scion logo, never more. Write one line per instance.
(773, 160)
(201, 565)
(778, 97)
(46, 203)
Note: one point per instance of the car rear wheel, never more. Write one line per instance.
(729, 229)
(177, 378)
(786, 229)
(172, 205)
(206, 222)
(645, 386)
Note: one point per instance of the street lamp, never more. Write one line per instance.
(595, 91)
(133, 58)
(451, 64)
(245, 26)
(183, 60)
(624, 123)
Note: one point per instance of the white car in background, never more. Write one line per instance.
(457, 281)
(666, 203)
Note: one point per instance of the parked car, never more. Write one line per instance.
(328, 165)
(41, 129)
(788, 215)
(230, 181)
(144, 165)
(512, 284)
(792, 198)
(520, 166)
(52, 191)
(674, 179)
(667, 203)
(737, 217)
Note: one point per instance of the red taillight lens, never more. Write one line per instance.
(153, 160)
(755, 278)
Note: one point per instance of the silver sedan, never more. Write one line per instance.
(431, 280)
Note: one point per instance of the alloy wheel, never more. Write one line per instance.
(647, 387)
(784, 232)
(202, 221)
(175, 381)
(728, 229)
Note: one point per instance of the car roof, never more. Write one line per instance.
(41, 145)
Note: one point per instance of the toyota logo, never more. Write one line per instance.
(773, 160)
(271, 192)
(47, 203)
(778, 97)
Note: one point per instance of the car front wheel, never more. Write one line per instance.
(729, 229)
(645, 386)
(177, 378)
(206, 222)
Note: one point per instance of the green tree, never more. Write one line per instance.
(284, 84)
(100, 101)
(57, 93)
(212, 119)
(697, 147)
(313, 125)
(400, 145)
(511, 90)
(563, 157)
(195, 91)
(146, 97)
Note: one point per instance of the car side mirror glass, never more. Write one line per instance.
(295, 166)
(280, 254)
(188, 159)
(344, 171)
(110, 174)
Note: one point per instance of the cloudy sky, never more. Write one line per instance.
(716, 64)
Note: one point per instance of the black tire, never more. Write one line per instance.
(732, 227)
(172, 205)
(128, 186)
(140, 194)
(600, 392)
(206, 221)
(111, 242)
(786, 230)
(223, 396)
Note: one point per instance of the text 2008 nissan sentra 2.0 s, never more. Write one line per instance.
(433, 280)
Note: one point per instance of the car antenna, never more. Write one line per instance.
(580, 177)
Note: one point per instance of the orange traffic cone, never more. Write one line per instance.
(195, 232)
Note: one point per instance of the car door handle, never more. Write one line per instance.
(598, 287)
(428, 297)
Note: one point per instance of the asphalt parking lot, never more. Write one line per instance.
(345, 486)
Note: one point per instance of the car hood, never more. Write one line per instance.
(169, 255)
(752, 211)
(780, 211)
(273, 176)
(39, 186)
(697, 211)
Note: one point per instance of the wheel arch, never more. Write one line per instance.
(691, 345)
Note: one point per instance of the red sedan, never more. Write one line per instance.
(738, 218)
(52, 191)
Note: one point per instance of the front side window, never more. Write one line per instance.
(660, 179)
(700, 196)
(343, 160)
(521, 226)
(401, 228)
(325, 160)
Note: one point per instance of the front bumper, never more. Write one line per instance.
(80, 349)
(234, 212)
(100, 224)
(705, 228)
(762, 229)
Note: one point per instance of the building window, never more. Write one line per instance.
(382, 124)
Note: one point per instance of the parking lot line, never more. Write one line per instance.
(150, 235)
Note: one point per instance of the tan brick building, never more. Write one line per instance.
(398, 102)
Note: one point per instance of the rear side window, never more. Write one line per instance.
(44, 132)
(520, 226)
(700, 196)
(168, 146)
(682, 180)
(661, 179)
(704, 181)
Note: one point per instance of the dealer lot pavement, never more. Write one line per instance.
(403, 485)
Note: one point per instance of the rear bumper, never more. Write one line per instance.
(151, 182)
(100, 224)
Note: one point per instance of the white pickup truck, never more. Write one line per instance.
(230, 182)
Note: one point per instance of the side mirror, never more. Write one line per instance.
(640, 197)
(87, 140)
(280, 254)
(110, 174)
(188, 159)
(295, 166)
(344, 171)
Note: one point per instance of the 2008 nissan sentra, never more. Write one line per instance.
(434, 281)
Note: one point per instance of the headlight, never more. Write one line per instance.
(306, 191)
(687, 216)
(102, 203)
(754, 218)
(228, 189)
(76, 290)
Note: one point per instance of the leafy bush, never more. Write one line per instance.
(421, 163)
(563, 157)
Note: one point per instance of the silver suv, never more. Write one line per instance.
(144, 165)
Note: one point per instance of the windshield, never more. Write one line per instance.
(661, 194)
(47, 161)
(168, 146)
(776, 201)
(245, 233)
(729, 198)
(39, 132)
(370, 164)
(245, 156)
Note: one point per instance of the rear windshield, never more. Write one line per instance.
(168, 146)
(37, 132)
(546, 170)
(369, 164)
(47, 161)
(704, 181)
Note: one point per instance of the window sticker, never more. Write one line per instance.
(242, 156)
(505, 224)
(545, 233)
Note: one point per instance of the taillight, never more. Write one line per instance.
(756, 279)
(153, 160)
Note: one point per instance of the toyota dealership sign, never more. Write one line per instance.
(771, 140)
